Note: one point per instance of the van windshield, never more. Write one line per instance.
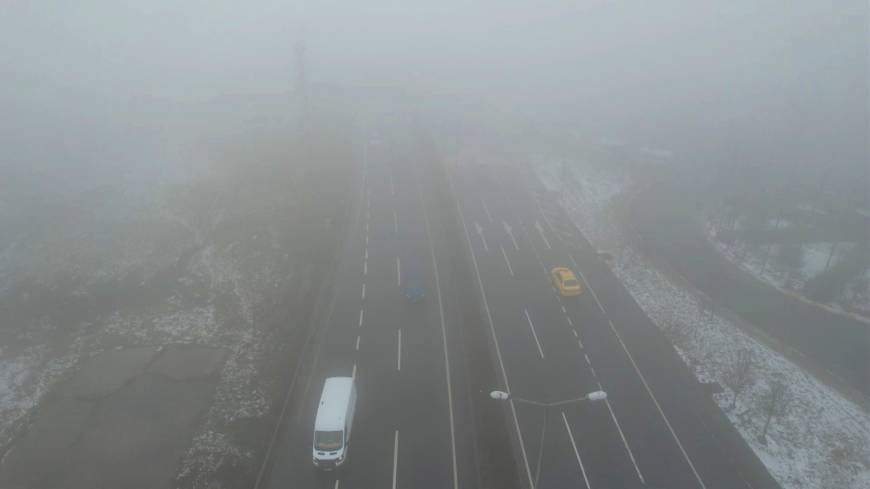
(327, 440)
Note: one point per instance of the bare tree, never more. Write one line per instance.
(790, 257)
(773, 402)
(740, 373)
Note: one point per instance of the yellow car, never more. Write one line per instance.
(565, 281)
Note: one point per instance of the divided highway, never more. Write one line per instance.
(658, 427)
(414, 426)
(411, 422)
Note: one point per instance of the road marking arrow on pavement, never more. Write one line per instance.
(541, 232)
(510, 232)
(480, 233)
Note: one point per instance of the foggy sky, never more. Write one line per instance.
(78, 75)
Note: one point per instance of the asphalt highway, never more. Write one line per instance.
(411, 426)
(658, 427)
(415, 428)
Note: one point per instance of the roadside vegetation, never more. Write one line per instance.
(807, 434)
(228, 255)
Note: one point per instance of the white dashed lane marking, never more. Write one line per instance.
(576, 453)
(486, 210)
(534, 333)
(395, 456)
(399, 354)
(507, 262)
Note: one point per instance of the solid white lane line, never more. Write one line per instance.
(399, 354)
(443, 338)
(398, 272)
(492, 330)
(395, 456)
(508, 262)
(486, 210)
(576, 453)
(535, 334)
(645, 385)
(364, 291)
(357, 343)
(594, 295)
(361, 311)
(622, 435)
(395, 223)
(658, 407)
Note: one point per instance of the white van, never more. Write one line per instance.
(333, 423)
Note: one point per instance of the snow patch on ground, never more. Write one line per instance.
(25, 378)
(760, 262)
(822, 442)
(857, 293)
(211, 301)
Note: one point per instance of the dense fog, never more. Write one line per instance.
(788, 80)
(673, 191)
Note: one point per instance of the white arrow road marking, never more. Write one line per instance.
(541, 232)
(486, 209)
(480, 233)
(510, 232)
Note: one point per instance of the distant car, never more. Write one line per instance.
(412, 285)
(565, 281)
